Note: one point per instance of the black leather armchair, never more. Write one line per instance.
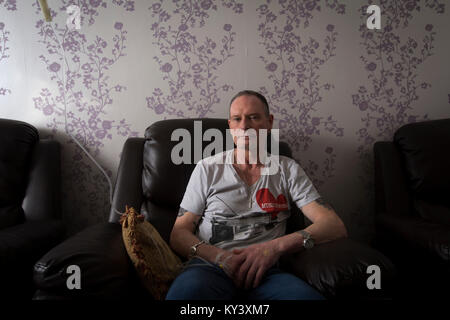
(30, 207)
(148, 180)
(412, 191)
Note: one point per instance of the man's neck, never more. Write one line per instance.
(247, 157)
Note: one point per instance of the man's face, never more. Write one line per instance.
(248, 112)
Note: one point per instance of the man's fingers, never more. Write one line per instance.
(242, 272)
(258, 277)
(250, 276)
(237, 260)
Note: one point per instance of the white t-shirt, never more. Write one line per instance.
(235, 215)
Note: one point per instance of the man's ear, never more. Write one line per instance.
(271, 121)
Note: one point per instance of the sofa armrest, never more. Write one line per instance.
(42, 199)
(338, 269)
(128, 187)
(20, 247)
(28, 241)
(106, 272)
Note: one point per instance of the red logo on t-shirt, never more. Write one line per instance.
(268, 203)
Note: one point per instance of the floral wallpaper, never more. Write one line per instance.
(9, 5)
(190, 65)
(78, 63)
(334, 86)
(293, 66)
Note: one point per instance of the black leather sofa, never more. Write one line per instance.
(412, 192)
(149, 181)
(30, 209)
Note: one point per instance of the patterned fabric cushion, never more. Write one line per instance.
(155, 262)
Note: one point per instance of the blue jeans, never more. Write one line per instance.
(203, 281)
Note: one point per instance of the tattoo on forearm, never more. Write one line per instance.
(324, 204)
(181, 213)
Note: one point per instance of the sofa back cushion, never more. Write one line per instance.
(163, 181)
(425, 148)
(17, 140)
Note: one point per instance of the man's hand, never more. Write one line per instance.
(256, 260)
(230, 263)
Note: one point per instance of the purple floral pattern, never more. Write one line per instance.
(10, 5)
(293, 64)
(86, 90)
(392, 64)
(3, 49)
(89, 9)
(189, 65)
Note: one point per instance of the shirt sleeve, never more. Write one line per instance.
(194, 199)
(301, 189)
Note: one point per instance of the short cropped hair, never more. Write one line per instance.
(255, 94)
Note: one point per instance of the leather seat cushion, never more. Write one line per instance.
(417, 234)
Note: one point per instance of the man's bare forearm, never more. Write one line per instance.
(320, 232)
(182, 240)
(329, 227)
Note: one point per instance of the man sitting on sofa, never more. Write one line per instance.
(232, 220)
